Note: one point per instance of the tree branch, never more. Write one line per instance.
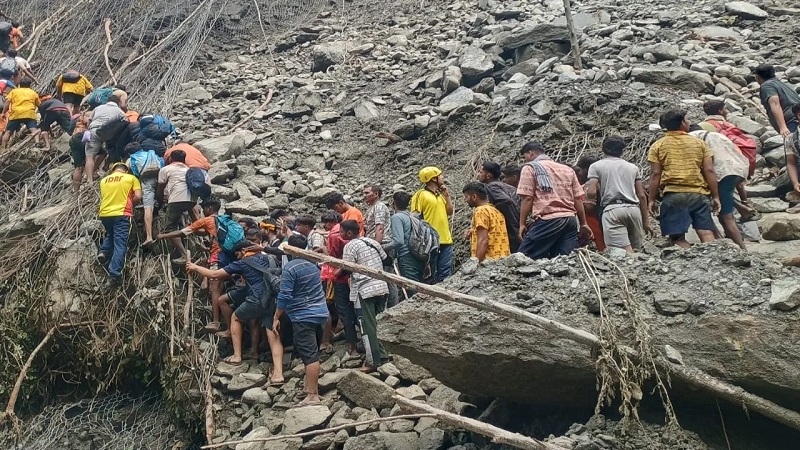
(109, 42)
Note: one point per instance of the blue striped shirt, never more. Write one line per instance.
(301, 294)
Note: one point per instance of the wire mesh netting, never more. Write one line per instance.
(117, 421)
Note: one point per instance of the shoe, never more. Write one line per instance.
(102, 258)
(179, 261)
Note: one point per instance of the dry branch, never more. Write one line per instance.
(109, 42)
(498, 435)
(318, 432)
(250, 116)
(689, 375)
(187, 307)
(573, 36)
(209, 412)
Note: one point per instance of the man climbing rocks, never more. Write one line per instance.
(407, 264)
(119, 193)
(16, 35)
(368, 295)
(146, 165)
(72, 87)
(617, 186)
(730, 168)
(102, 116)
(504, 197)
(302, 298)
(341, 290)
(77, 148)
(173, 189)
(52, 110)
(553, 197)
(581, 169)
(489, 236)
(682, 171)
(21, 67)
(778, 98)
(194, 157)
(377, 226)
(336, 202)
(434, 204)
(20, 105)
(245, 303)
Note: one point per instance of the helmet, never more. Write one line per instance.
(120, 164)
(429, 173)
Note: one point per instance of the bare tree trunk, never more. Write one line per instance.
(573, 36)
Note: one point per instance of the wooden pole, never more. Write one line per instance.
(498, 435)
(109, 42)
(187, 307)
(573, 35)
(689, 375)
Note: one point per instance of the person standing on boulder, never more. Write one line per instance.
(378, 227)
(552, 195)
(682, 171)
(778, 98)
(119, 193)
(172, 187)
(302, 298)
(617, 185)
(504, 197)
(489, 234)
(368, 295)
(146, 165)
(52, 110)
(77, 147)
(434, 204)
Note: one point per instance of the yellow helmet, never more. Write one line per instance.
(119, 164)
(429, 173)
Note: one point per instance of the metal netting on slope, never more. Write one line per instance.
(115, 422)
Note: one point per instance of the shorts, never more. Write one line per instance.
(245, 308)
(16, 125)
(622, 226)
(679, 210)
(95, 147)
(727, 186)
(50, 117)
(307, 337)
(149, 191)
(77, 149)
(73, 99)
(175, 215)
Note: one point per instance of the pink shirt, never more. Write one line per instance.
(558, 203)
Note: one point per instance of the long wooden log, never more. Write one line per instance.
(109, 43)
(498, 435)
(689, 375)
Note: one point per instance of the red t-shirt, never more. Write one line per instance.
(336, 249)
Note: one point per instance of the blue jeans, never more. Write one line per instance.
(442, 263)
(550, 238)
(115, 243)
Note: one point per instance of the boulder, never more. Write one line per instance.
(663, 51)
(431, 439)
(780, 227)
(475, 63)
(717, 33)
(528, 33)
(226, 147)
(258, 433)
(785, 295)
(747, 124)
(683, 79)
(746, 10)
(329, 54)
(366, 111)
(244, 381)
(297, 420)
(760, 190)
(718, 327)
(769, 205)
(255, 396)
(196, 93)
(366, 391)
(462, 96)
(408, 371)
(383, 441)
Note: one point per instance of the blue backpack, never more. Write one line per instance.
(99, 97)
(229, 232)
(148, 161)
(196, 181)
(155, 126)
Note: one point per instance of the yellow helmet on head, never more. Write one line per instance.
(429, 173)
(117, 165)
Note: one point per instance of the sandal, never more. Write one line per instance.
(306, 402)
(212, 327)
(228, 359)
(273, 383)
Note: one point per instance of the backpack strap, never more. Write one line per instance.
(378, 251)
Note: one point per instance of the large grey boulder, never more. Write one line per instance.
(717, 33)
(307, 418)
(226, 147)
(528, 33)
(328, 54)
(785, 295)
(475, 63)
(746, 10)
(663, 51)
(683, 79)
(780, 227)
(383, 441)
(725, 326)
(366, 391)
(461, 97)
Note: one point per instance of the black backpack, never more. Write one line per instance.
(196, 182)
(5, 29)
(111, 130)
(272, 282)
(71, 76)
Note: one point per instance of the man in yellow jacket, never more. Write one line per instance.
(21, 104)
(71, 88)
(120, 191)
(434, 204)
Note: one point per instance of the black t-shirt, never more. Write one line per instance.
(787, 96)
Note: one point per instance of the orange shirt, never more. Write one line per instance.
(354, 214)
(194, 157)
(209, 225)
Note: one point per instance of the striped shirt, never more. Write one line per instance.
(681, 158)
(361, 251)
(301, 294)
(378, 214)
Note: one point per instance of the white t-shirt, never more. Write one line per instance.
(22, 63)
(728, 159)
